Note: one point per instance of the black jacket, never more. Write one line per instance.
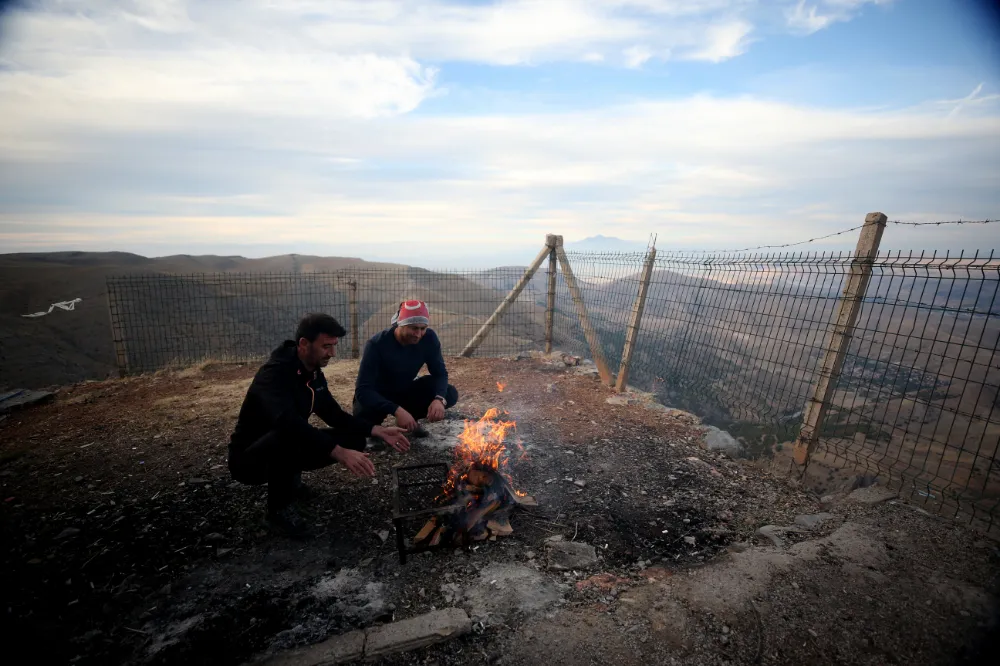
(282, 396)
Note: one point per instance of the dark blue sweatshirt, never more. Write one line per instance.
(388, 368)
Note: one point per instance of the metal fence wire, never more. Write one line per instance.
(737, 339)
(162, 321)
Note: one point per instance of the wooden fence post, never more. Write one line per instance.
(632, 332)
(355, 328)
(550, 301)
(481, 334)
(845, 317)
(581, 311)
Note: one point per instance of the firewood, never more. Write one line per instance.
(472, 518)
(436, 539)
(479, 477)
(500, 526)
(526, 500)
(426, 530)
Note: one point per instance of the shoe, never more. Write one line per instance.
(419, 432)
(304, 493)
(288, 521)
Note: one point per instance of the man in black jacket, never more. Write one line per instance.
(273, 441)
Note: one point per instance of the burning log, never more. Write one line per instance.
(478, 487)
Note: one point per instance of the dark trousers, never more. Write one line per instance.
(415, 399)
(279, 460)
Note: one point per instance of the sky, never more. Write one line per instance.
(458, 134)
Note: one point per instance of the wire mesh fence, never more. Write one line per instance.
(737, 339)
(162, 321)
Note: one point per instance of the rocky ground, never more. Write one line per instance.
(125, 541)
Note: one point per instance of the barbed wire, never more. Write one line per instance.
(929, 224)
(847, 231)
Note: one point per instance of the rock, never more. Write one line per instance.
(566, 555)
(19, 398)
(195, 481)
(78, 479)
(620, 400)
(416, 632)
(690, 540)
(222, 552)
(337, 650)
(550, 388)
(813, 520)
(68, 532)
(383, 535)
(872, 495)
(580, 482)
(720, 440)
(214, 537)
(827, 501)
(738, 546)
(530, 554)
(775, 533)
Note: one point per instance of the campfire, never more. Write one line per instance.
(478, 496)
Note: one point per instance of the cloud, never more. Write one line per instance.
(306, 125)
(700, 170)
(804, 18)
(723, 41)
(635, 56)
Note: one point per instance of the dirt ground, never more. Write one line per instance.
(125, 541)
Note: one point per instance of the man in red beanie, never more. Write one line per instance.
(387, 379)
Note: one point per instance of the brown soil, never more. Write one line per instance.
(125, 541)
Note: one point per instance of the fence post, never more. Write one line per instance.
(550, 301)
(581, 311)
(355, 332)
(632, 332)
(121, 356)
(484, 330)
(845, 317)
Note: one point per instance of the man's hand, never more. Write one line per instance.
(357, 462)
(436, 410)
(405, 420)
(394, 437)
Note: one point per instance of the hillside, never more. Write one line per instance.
(65, 347)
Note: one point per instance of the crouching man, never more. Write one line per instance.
(387, 379)
(273, 441)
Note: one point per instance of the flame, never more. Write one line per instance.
(483, 445)
(501, 386)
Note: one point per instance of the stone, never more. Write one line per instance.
(690, 540)
(813, 520)
(738, 546)
(222, 552)
(620, 400)
(337, 650)
(417, 632)
(872, 495)
(720, 440)
(580, 483)
(566, 555)
(214, 537)
(775, 533)
(19, 398)
(68, 532)
(195, 481)
(827, 501)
